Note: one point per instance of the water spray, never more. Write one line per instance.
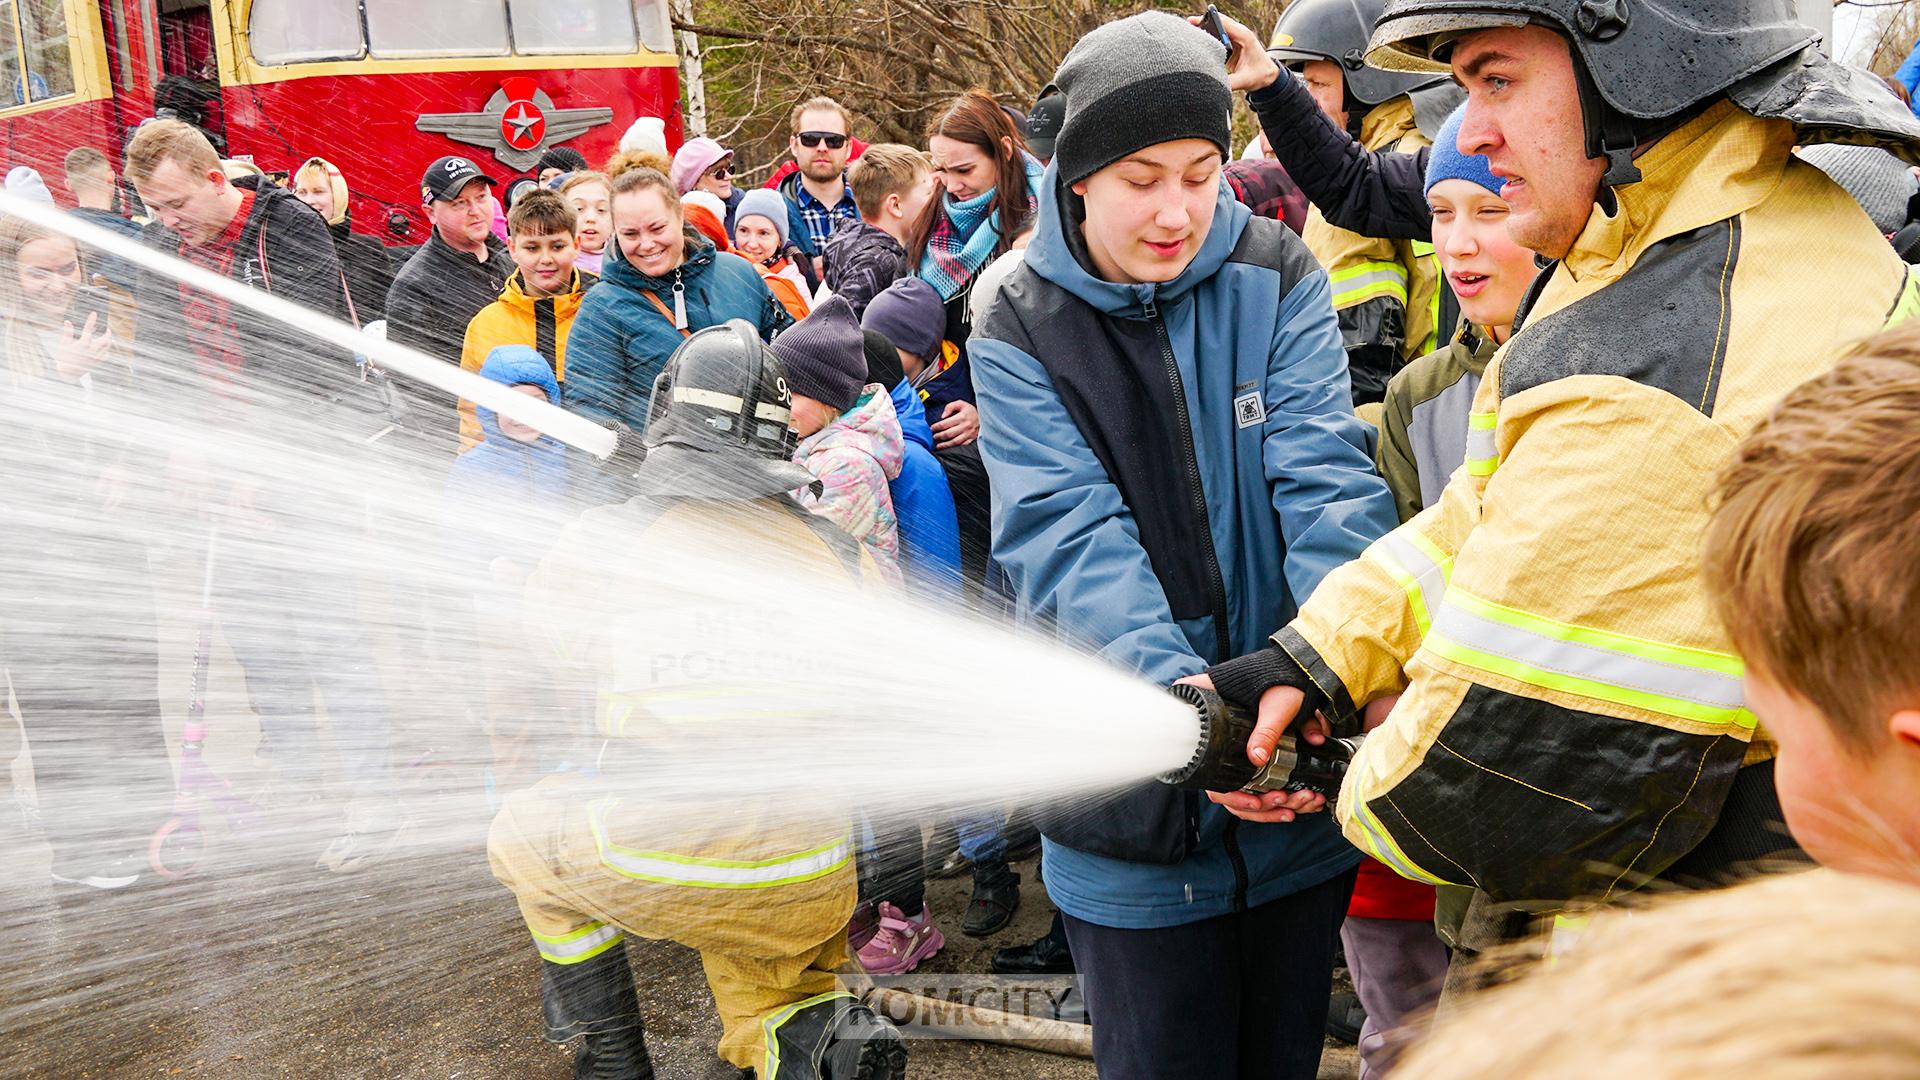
(536, 413)
(1219, 761)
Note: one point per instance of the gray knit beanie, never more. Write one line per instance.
(1878, 181)
(1141, 81)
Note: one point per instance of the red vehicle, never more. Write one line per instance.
(379, 87)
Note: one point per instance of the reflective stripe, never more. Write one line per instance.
(1420, 568)
(1483, 455)
(770, 1067)
(583, 944)
(1380, 845)
(671, 869)
(1691, 684)
(1366, 281)
(779, 414)
(712, 399)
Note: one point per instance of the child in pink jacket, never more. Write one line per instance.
(849, 434)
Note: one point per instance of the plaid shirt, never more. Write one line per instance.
(821, 218)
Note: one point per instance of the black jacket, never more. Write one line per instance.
(439, 291)
(283, 249)
(862, 260)
(1374, 193)
(434, 296)
(369, 270)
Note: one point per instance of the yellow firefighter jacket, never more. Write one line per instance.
(1386, 291)
(1573, 712)
(672, 679)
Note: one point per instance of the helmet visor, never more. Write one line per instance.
(1420, 40)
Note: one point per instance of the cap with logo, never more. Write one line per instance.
(446, 177)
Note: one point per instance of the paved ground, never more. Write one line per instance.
(419, 969)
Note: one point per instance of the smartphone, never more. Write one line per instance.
(88, 300)
(1210, 22)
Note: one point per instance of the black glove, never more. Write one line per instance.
(1244, 679)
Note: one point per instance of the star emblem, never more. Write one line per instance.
(522, 120)
(518, 122)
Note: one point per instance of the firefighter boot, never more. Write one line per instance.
(834, 1037)
(594, 1000)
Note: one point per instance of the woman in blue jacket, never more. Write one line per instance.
(661, 282)
(1168, 425)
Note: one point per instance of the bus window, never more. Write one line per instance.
(436, 28)
(120, 56)
(38, 60)
(656, 31)
(581, 26)
(296, 31)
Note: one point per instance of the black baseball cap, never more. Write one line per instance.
(448, 175)
(1044, 121)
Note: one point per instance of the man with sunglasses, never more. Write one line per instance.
(817, 194)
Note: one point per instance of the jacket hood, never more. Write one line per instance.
(1059, 252)
(871, 427)
(334, 180)
(516, 365)
(616, 269)
(514, 292)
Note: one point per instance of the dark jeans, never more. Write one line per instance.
(1235, 997)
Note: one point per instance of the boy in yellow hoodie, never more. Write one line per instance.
(541, 297)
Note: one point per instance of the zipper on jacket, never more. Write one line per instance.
(1196, 495)
(1216, 583)
(1231, 838)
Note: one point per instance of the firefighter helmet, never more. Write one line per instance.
(717, 425)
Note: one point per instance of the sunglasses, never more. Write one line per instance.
(811, 139)
(721, 172)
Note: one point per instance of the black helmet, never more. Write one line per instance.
(717, 426)
(1645, 64)
(1338, 31)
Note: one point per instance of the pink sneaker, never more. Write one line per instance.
(901, 943)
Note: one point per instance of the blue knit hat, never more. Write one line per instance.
(1446, 162)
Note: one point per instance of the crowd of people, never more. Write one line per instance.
(1284, 424)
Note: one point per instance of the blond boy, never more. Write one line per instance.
(892, 185)
(1813, 563)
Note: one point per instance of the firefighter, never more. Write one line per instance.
(1571, 721)
(762, 890)
(1388, 292)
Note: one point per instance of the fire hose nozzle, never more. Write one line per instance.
(1219, 761)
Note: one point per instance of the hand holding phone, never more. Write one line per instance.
(1210, 22)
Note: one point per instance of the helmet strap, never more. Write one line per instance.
(1610, 133)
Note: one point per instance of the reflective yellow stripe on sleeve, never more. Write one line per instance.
(1419, 566)
(1483, 454)
(581, 945)
(1365, 281)
(669, 868)
(1686, 683)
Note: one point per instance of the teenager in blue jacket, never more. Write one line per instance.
(1167, 421)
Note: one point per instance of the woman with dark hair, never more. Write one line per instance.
(991, 192)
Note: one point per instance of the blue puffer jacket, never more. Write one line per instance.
(1175, 467)
(620, 341)
(923, 503)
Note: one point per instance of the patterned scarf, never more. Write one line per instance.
(966, 234)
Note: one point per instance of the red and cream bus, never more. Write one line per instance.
(379, 87)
